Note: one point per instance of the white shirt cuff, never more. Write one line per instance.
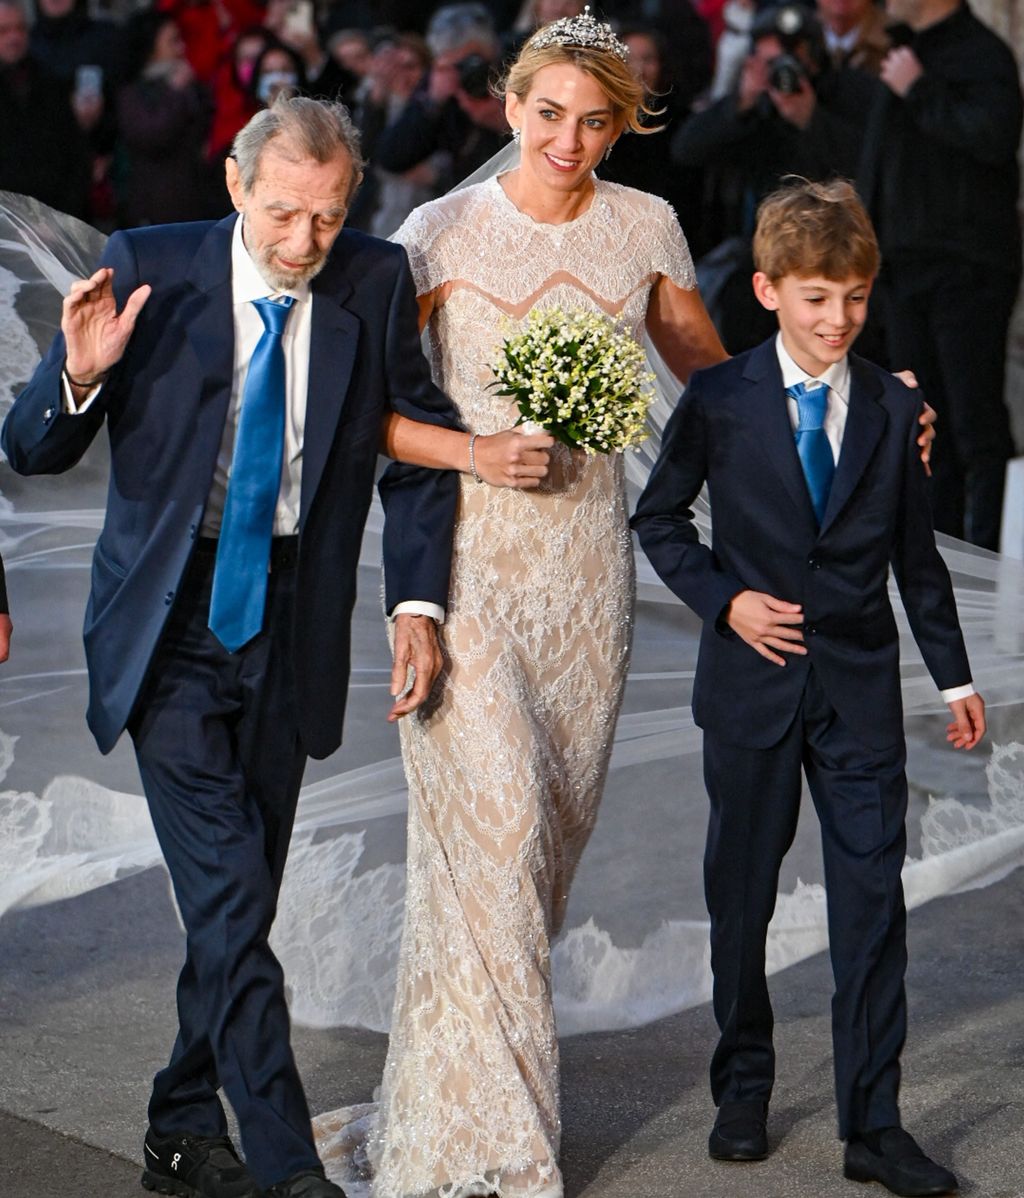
(958, 692)
(418, 607)
(70, 407)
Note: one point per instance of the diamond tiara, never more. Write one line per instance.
(581, 31)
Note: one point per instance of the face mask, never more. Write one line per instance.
(273, 82)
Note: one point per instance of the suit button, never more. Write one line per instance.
(810, 630)
(814, 563)
(47, 415)
(169, 598)
(192, 532)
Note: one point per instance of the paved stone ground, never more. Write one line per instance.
(80, 1038)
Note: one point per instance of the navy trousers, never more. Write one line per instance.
(860, 796)
(221, 762)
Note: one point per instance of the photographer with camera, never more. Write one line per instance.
(453, 122)
(791, 112)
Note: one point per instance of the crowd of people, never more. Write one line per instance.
(128, 123)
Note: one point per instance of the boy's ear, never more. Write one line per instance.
(764, 289)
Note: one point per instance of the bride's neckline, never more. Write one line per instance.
(546, 224)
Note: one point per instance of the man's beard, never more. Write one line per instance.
(285, 280)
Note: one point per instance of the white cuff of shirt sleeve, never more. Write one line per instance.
(957, 692)
(418, 607)
(70, 407)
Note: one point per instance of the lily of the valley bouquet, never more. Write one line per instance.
(578, 377)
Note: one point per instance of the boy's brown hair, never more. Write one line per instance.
(808, 229)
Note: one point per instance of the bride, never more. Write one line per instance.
(507, 765)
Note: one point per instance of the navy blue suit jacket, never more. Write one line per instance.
(165, 405)
(732, 430)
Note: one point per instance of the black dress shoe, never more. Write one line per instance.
(740, 1132)
(309, 1184)
(893, 1158)
(195, 1167)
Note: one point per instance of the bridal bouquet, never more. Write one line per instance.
(578, 377)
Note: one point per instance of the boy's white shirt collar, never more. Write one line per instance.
(836, 378)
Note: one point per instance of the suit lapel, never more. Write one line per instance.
(865, 424)
(211, 327)
(210, 331)
(766, 415)
(333, 342)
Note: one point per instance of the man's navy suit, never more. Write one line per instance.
(222, 738)
(835, 712)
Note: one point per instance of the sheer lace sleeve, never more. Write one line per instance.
(669, 252)
(426, 236)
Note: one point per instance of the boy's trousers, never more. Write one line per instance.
(860, 795)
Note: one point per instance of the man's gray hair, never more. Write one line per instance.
(317, 129)
(456, 24)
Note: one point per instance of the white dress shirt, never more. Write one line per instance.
(837, 379)
(247, 284)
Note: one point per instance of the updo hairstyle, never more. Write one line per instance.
(624, 91)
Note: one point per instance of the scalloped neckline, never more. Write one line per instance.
(576, 221)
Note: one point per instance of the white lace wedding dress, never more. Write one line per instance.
(507, 764)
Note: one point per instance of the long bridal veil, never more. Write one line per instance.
(635, 948)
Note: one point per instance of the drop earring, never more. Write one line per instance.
(517, 134)
(608, 152)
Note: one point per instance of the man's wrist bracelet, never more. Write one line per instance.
(472, 457)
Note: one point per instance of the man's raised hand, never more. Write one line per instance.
(95, 332)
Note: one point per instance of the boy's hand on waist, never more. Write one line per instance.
(968, 726)
(769, 626)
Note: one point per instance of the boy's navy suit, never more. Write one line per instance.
(835, 712)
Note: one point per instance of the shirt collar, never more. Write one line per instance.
(842, 42)
(836, 378)
(247, 284)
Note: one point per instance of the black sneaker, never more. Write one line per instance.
(195, 1167)
(309, 1184)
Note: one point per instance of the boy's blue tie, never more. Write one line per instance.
(812, 443)
(243, 552)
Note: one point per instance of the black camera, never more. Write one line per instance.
(474, 73)
(786, 74)
(797, 29)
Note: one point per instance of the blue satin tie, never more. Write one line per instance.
(243, 552)
(812, 443)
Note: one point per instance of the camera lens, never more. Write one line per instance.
(474, 76)
(785, 74)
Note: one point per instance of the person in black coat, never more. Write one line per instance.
(808, 122)
(940, 178)
(43, 151)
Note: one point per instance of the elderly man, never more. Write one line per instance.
(243, 369)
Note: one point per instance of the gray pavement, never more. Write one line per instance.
(86, 1019)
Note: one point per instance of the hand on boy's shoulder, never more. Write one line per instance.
(968, 725)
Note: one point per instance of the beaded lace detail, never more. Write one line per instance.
(507, 763)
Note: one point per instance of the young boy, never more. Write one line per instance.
(816, 487)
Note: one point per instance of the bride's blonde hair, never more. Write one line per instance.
(623, 89)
